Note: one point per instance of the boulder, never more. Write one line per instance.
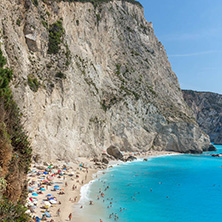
(107, 156)
(131, 158)
(40, 167)
(212, 148)
(115, 152)
(36, 158)
(104, 160)
(95, 159)
(215, 155)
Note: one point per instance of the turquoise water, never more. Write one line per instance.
(170, 188)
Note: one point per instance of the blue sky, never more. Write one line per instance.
(191, 32)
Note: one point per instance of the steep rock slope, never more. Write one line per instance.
(207, 108)
(90, 76)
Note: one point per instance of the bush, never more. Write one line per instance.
(33, 83)
(35, 2)
(56, 33)
(10, 212)
(60, 75)
(14, 144)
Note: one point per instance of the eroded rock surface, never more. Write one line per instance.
(207, 108)
(107, 82)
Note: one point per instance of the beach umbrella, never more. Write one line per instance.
(53, 201)
(42, 189)
(28, 211)
(35, 201)
(30, 204)
(51, 178)
(34, 194)
(56, 186)
(49, 195)
(45, 173)
(47, 214)
(53, 171)
(30, 189)
(37, 219)
(46, 202)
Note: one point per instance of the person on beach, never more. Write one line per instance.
(58, 212)
(70, 216)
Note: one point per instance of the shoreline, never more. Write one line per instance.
(83, 173)
(84, 198)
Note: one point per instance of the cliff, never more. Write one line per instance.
(88, 76)
(207, 108)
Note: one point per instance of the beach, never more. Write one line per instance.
(55, 187)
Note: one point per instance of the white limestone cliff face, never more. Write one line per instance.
(207, 107)
(116, 88)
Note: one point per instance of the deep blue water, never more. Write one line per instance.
(176, 188)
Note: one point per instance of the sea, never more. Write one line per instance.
(174, 188)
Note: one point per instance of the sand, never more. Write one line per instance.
(66, 183)
(81, 176)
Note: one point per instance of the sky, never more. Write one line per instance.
(191, 32)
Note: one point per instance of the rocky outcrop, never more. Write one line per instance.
(115, 152)
(90, 76)
(131, 158)
(207, 108)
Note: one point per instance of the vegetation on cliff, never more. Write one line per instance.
(15, 153)
(56, 32)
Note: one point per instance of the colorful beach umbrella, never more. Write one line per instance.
(56, 186)
(49, 195)
(34, 194)
(45, 173)
(53, 201)
(43, 189)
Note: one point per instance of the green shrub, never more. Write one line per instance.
(98, 18)
(35, 2)
(56, 33)
(19, 162)
(10, 212)
(18, 22)
(60, 75)
(33, 83)
(45, 24)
